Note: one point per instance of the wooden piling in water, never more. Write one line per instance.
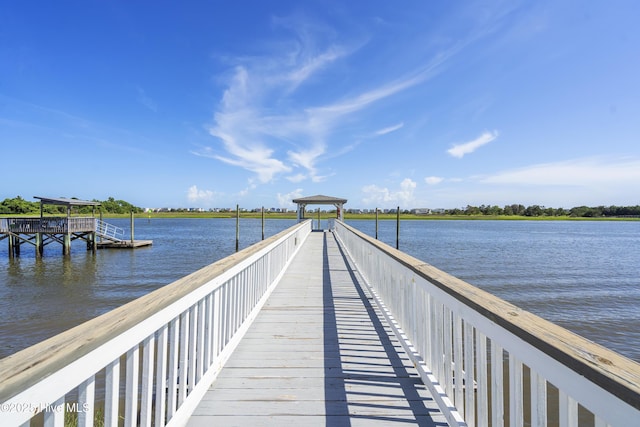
(398, 228)
(237, 228)
(39, 245)
(376, 223)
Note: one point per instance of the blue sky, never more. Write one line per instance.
(411, 104)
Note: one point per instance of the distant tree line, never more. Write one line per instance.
(18, 205)
(536, 210)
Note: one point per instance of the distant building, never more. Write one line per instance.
(421, 211)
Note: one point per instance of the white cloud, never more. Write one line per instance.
(459, 150)
(264, 128)
(382, 196)
(285, 200)
(297, 178)
(433, 180)
(389, 129)
(578, 172)
(194, 195)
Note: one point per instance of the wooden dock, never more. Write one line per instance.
(123, 244)
(319, 353)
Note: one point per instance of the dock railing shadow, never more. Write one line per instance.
(373, 378)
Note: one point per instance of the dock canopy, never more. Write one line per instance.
(320, 200)
(61, 201)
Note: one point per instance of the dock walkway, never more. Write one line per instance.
(319, 353)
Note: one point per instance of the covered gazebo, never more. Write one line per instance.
(320, 200)
(68, 203)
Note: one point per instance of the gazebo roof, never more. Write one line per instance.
(65, 202)
(319, 200)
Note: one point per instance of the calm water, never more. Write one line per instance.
(584, 276)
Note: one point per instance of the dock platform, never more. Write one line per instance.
(123, 244)
(319, 353)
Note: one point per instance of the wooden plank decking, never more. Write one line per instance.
(318, 354)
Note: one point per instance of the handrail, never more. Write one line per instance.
(109, 230)
(47, 224)
(175, 339)
(459, 335)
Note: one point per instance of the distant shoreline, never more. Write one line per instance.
(347, 216)
(381, 216)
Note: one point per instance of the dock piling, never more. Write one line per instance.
(237, 228)
(398, 228)
(376, 223)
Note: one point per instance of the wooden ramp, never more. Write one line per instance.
(318, 354)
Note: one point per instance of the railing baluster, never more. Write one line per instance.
(497, 385)
(183, 368)
(217, 324)
(538, 400)
(174, 367)
(224, 316)
(469, 373)
(516, 413)
(201, 350)
(131, 391)
(86, 402)
(436, 340)
(208, 331)
(147, 381)
(193, 339)
(447, 330)
(458, 364)
(568, 410)
(112, 393)
(426, 329)
(483, 381)
(161, 375)
(54, 414)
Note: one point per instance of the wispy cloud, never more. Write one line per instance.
(145, 100)
(459, 150)
(578, 172)
(297, 178)
(389, 129)
(266, 129)
(382, 196)
(433, 180)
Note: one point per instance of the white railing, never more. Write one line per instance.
(488, 362)
(110, 231)
(47, 224)
(150, 361)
